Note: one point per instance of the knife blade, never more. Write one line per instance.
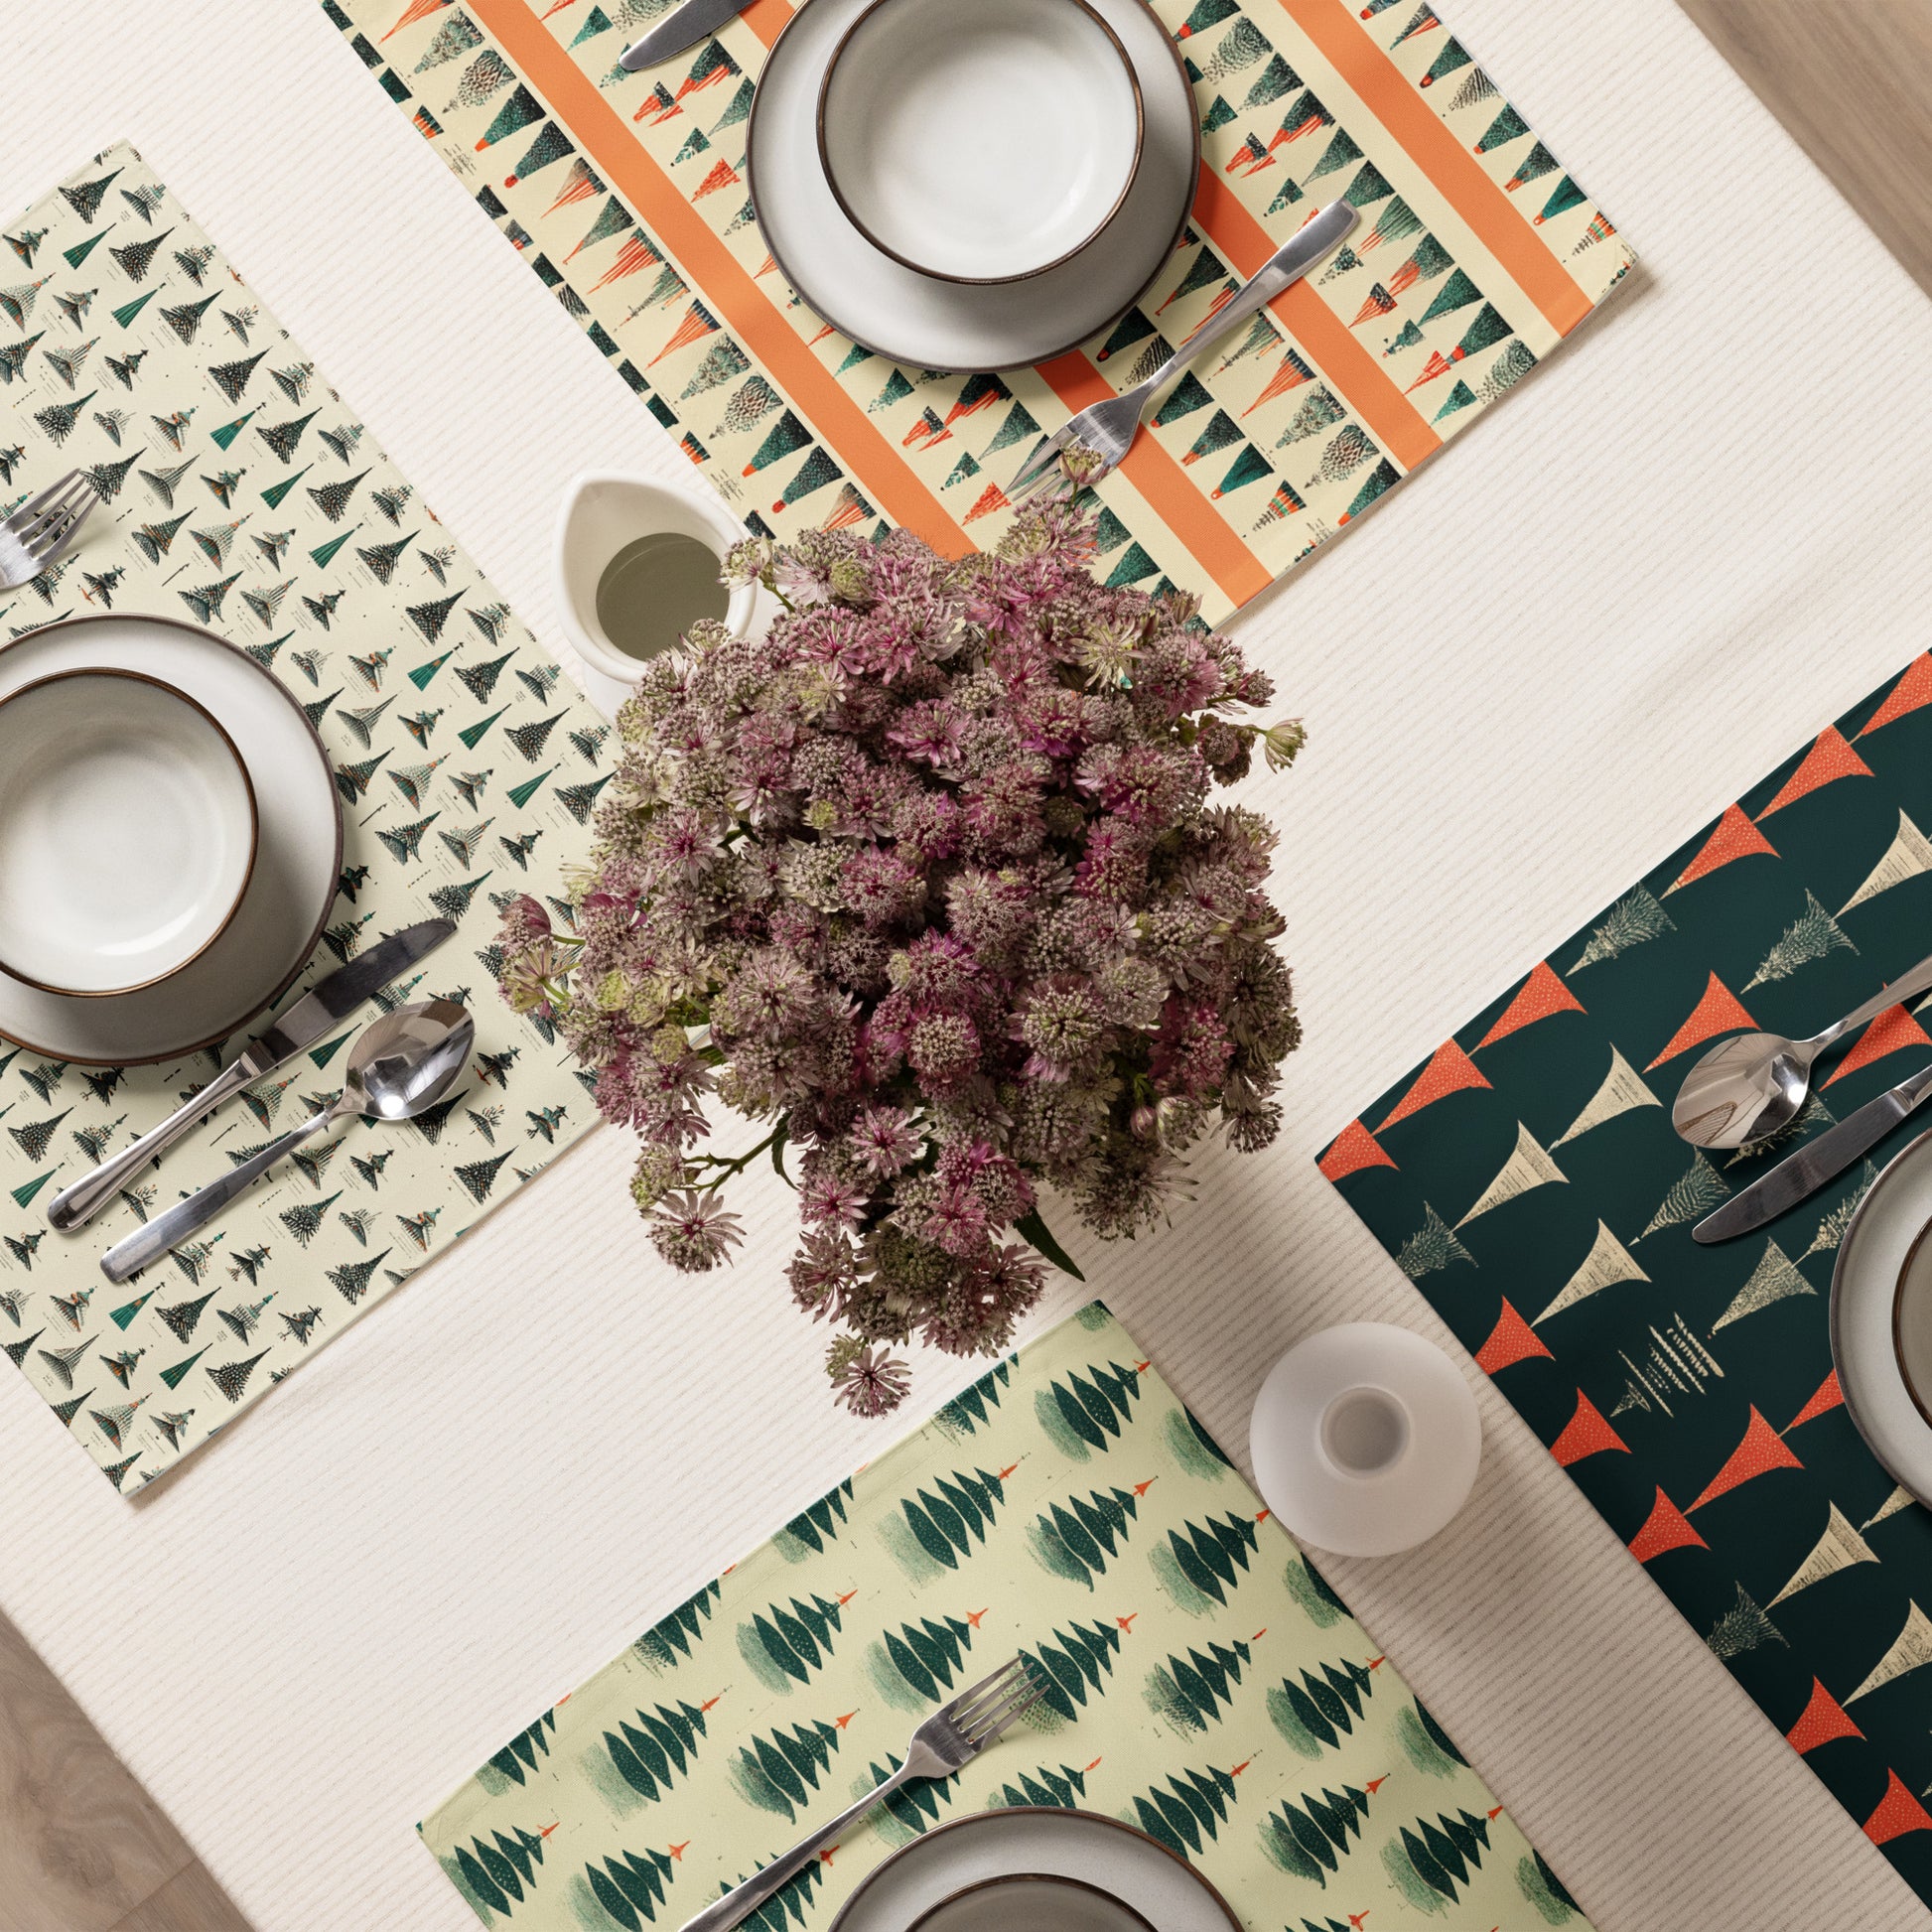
(333, 997)
(1825, 1158)
(677, 31)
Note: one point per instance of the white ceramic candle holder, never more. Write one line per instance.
(1365, 1439)
(604, 510)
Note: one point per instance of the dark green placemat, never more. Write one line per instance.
(1526, 1178)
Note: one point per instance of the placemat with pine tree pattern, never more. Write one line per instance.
(239, 492)
(1475, 255)
(1527, 1178)
(1207, 1687)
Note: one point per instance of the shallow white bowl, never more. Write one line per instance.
(980, 142)
(127, 832)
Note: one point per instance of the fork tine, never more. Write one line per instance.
(975, 1694)
(27, 526)
(995, 1722)
(34, 503)
(1015, 1683)
(987, 1691)
(1039, 463)
(47, 544)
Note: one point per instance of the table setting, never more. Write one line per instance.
(877, 846)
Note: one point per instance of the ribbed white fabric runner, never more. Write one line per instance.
(1698, 534)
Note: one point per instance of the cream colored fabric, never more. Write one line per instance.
(1695, 536)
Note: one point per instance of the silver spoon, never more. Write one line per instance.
(402, 1064)
(1749, 1087)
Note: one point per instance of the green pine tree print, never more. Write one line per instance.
(1077, 1538)
(1187, 1809)
(1314, 1713)
(919, 1664)
(1074, 1664)
(1191, 1692)
(784, 1646)
(1085, 1410)
(651, 1752)
(1200, 1563)
(944, 1523)
(912, 1809)
(521, 1755)
(1045, 1786)
(1309, 1837)
(1437, 1857)
(808, 1533)
(496, 1872)
(780, 1770)
(632, 1887)
(673, 1637)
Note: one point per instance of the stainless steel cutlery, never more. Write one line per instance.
(1107, 428)
(401, 1065)
(42, 527)
(331, 1000)
(946, 1742)
(684, 26)
(1749, 1087)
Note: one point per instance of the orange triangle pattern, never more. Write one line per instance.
(1912, 692)
(1762, 1451)
(1733, 837)
(1899, 1813)
(1541, 995)
(1449, 1070)
(1829, 1397)
(1586, 1434)
(1511, 1341)
(1892, 1029)
(1719, 1012)
(1829, 759)
(1665, 1529)
(1821, 1721)
(1352, 1149)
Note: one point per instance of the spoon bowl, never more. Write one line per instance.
(400, 1066)
(1743, 1090)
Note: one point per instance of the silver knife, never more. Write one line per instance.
(685, 27)
(331, 999)
(1823, 1159)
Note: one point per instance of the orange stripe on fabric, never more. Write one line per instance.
(1169, 492)
(1456, 172)
(625, 162)
(1369, 388)
(766, 18)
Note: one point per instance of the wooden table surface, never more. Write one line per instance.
(83, 1848)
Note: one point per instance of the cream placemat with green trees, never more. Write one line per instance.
(1207, 1687)
(239, 492)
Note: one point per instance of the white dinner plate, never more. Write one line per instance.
(923, 322)
(1865, 1290)
(1143, 1874)
(916, 120)
(297, 864)
(127, 832)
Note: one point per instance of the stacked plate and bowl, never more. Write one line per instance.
(972, 188)
(169, 840)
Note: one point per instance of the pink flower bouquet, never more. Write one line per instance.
(927, 880)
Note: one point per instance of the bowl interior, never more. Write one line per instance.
(128, 831)
(980, 142)
(1031, 1902)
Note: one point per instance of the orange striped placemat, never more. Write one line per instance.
(1477, 254)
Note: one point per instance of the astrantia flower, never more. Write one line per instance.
(693, 1232)
(868, 1382)
(926, 881)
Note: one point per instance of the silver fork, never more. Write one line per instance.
(40, 528)
(1108, 427)
(946, 1742)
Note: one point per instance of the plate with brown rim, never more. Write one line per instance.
(296, 862)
